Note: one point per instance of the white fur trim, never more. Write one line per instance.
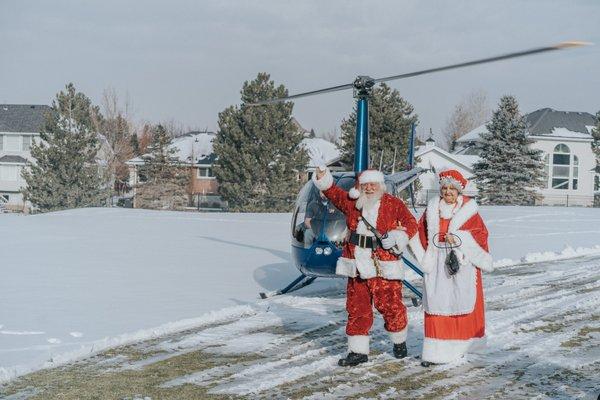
(399, 337)
(358, 344)
(354, 193)
(417, 248)
(465, 212)
(371, 176)
(471, 250)
(441, 351)
(345, 267)
(393, 270)
(325, 182)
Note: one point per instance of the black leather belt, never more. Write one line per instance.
(364, 241)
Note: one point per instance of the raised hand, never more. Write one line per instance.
(316, 155)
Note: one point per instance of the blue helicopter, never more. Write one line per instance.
(315, 250)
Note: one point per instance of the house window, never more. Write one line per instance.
(1, 142)
(26, 142)
(561, 168)
(597, 183)
(575, 171)
(4, 198)
(12, 143)
(205, 173)
(10, 173)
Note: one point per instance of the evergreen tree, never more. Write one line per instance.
(509, 170)
(596, 139)
(135, 145)
(390, 120)
(159, 162)
(65, 173)
(596, 150)
(166, 185)
(258, 151)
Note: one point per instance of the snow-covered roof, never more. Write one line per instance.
(329, 150)
(465, 161)
(196, 147)
(200, 144)
(550, 123)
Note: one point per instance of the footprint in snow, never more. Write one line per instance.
(54, 341)
(76, 334)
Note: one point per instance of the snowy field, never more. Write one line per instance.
(77, 282)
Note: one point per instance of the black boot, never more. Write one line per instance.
(400, 350)
(353, 359)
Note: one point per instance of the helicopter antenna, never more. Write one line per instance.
(357, 83)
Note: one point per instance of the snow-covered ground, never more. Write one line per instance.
(78, 281)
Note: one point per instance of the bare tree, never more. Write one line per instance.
(472, 111)
(332, 136)
(117, 128)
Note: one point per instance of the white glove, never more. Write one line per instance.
(316, 155)
(388, 242)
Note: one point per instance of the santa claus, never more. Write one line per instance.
(453, 290)
(373, 267)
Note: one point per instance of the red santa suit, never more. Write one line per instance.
(453, 304)
(374, 276)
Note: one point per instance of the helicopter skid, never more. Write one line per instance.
(298, 283)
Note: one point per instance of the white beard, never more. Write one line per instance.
(367, 201)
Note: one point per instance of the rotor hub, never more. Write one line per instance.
(363, 86)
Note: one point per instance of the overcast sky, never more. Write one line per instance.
(187, 60)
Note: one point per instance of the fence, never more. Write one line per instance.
(566, 200)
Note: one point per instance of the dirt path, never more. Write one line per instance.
(543, 340)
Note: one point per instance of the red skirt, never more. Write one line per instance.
(459, 327)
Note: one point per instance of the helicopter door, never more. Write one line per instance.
(316, 219)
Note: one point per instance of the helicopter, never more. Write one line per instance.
(316, 249)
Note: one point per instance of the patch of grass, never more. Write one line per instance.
(581, 337)
(76, 383)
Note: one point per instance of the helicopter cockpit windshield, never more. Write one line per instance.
(316, 219)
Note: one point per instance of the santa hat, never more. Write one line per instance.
(367, 176)
(452, 177)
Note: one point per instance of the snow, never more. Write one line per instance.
(566, 133)
(467, 160)
(474, 135)
(200, 145)
(77, 282)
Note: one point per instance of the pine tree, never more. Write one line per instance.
(596, 139)
(167, 182)
(258, 151)
(135, 145)
(596, 150)
(390, 120)
(65, 173)
(509, 170)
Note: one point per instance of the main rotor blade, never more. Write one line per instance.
(559, 46)
(312, 93)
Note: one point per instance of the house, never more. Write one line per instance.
(434, 159)
(20, 126)
(195, 150)
(564, 138)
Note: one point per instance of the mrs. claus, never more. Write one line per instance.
(453, 303)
